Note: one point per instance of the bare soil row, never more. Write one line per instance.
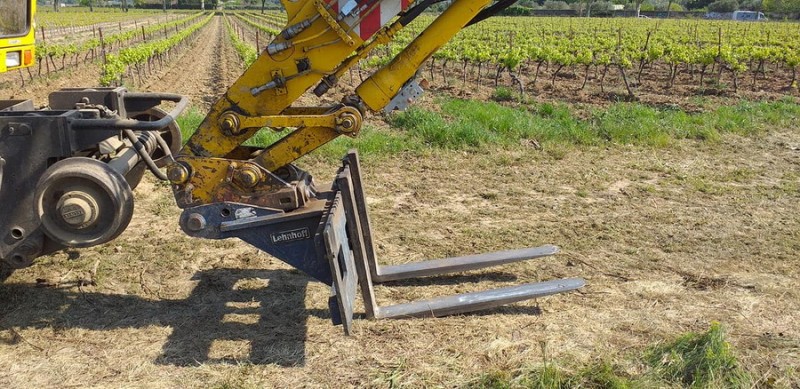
(189, 72)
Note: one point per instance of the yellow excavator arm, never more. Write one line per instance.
(320, 42)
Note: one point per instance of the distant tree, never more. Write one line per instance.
(87, 3)
(648, 6)
(781, 6)
(750, 5)
(698, 4)
(674, 5)
(555, 5)
(723, 6)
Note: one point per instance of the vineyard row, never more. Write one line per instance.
(140, 58)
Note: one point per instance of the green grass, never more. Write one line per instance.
(704, 360)
(699, 361)
(473, 125)
(468, 124)
(601, 375)
(188, 122)
(503, 94)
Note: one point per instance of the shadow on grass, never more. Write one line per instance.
(263, 309)
(275, 335)
(454, 279)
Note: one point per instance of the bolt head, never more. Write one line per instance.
(177, 173)
(247, 177)
(196, 222)
(228, 124)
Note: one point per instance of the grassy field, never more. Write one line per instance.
(503, 135)
(459, 124)
(687, 240)
(679, 209)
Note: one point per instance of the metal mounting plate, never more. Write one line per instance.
(343, 268)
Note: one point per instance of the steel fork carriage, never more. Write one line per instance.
(331, 240)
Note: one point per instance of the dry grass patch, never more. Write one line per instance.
(661, 258)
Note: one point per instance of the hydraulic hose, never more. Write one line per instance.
(144, 154)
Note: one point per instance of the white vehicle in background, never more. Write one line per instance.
(749, 16)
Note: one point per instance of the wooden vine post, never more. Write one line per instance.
(102, 45)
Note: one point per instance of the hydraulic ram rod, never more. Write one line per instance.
(383, 85)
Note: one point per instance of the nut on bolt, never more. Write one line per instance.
(196, 222)
(230, 124)
(346, 123)
(178, 173)
(247, 176)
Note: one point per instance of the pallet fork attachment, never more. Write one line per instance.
(331, 240)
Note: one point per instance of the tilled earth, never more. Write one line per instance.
(668, 240)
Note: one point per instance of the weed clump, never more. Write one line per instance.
(692, 360)
(502, 94)
(602, 375)
(699, 361)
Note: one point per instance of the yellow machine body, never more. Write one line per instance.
(17, 29)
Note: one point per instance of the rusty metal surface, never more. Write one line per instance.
(197, 181)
